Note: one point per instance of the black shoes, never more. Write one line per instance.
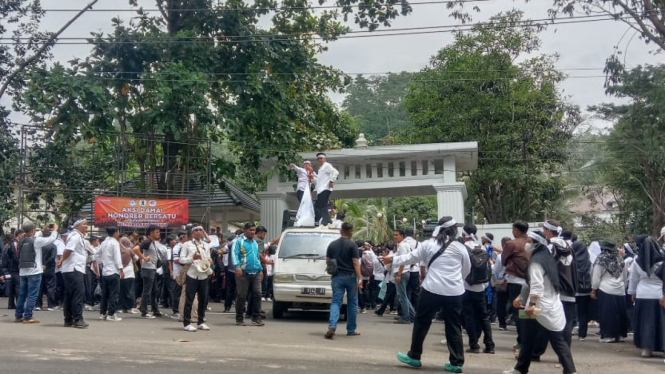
(80, 325)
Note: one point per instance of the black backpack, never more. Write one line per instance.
(568, 281)
(26, 254)
(481, 271)
(49, 253)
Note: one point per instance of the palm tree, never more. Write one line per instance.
(368, 217)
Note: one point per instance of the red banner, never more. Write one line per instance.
(140, 212)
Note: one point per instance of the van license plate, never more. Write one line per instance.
(313, 291)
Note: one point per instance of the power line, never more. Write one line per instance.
(309, 36)
(133, 10)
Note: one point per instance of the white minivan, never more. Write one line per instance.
(300, 280)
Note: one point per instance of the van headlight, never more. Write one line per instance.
(283, 278)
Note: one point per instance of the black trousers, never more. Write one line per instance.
(149, 295)
(477, 320)
(389, 299)
(514, 290)
(48, 288)
(230, 290)
(89, 284)
(12, 290)
(531, 332)
(584, 314)
(451, 311)
(59, 289)
(374, 294)
(502, 308)
(166, 290)
(193, 288)
(110, 294)
(72, 306)
(175, 297)
(157, 287)
(413, 288)
(299, 195)
(321, 208)
(245, 282)
(269, 287)
(364, 298)
(127, 301)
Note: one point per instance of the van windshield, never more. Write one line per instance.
(305, 244)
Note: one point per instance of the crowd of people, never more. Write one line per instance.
(545, 282)
(128, 273)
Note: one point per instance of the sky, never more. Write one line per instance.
(582, 47)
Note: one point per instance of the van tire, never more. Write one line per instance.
(278, 309)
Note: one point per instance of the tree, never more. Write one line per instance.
(376, 103)
(636, 161)
(368, 217)
(205, 70)
(474, 90)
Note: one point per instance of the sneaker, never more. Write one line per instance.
(175, 316)
(158, 315)
(503, 328)
(489, 351)
(263, 299)
(647, 353)
(102, 317)
(268, 299)
(241, 323)
(404, 358)
(394, 313)
(401, 322)
(363, 311)
(51, 309)
(68, 324)
(473, 350)
(226, 311)
(258, 323)
(113, 318)
(148, 316)
(88, 308)
(80, 325)
(444, 342)
(38, 309)
(607, 340)
(203, 327)
(209, 309)
(452, 368)
(31, 320)
(190, 328)
(134, 311)
(581, 339)
(18, 320)
(511, 372)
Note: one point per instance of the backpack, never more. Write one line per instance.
(568, 281)
(481, 271)
(27, 253)
(366, 266)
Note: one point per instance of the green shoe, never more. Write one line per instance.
(404, 358)
(452, 368)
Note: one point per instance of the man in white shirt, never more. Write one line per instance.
(109, 256)
(73, 265)
(305, 176)
(60, 283)
(192, 253)
(325, 178)
(402, 275)
(413, 288)
(31, 269)
(175, 265)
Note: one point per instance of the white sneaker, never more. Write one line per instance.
(175, 316)
(38, 309)
(148, 316)
(268, 299)
(263, 299)
(203, 327)
(647, 353)
(102, 317)
(444, 342)
(607, 340)
(511, 372)
(134, 311)
(51, 309)
(190, 328)
(88, 308)
(113, 318)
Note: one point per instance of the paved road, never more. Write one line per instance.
(292, 345)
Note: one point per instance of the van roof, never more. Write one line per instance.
(311, 229)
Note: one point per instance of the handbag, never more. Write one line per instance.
(501, 285)
(181, 278)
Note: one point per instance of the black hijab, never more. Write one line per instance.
(541, 255)
(649, 253)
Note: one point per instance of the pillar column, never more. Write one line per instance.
(273, 205)
(450, 200)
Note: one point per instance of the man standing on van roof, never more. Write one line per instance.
(324, 184)
(343, 259)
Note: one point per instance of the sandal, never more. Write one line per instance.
(330, 334)
(353, 334)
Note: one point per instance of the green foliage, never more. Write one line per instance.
(411, 207)
(377, 104)
(474, 90)
(635, 167)
(368, 217)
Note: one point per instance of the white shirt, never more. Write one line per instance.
(79, 253)
(379, 269)
(303, 178)
(176, 260)
(643, 286)
(471, 244)
(60, 245)
(413, 244)
(594, 251)
(604, 281)
(270, 267)
(446, 275)
(327, 173)
(402, 249)
(337, 224)
(40, 242)
(109, 256)
(128, 271)
(187, 253)
(551, 316)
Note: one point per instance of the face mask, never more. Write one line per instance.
(529, 247)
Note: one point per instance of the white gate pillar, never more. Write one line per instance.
(273, 205)
(450, 200)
